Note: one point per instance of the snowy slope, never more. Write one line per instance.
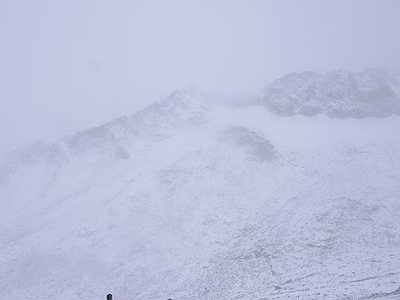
(191, 199)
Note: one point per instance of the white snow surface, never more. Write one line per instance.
(190, 199)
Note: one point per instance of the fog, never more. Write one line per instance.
(69, 65)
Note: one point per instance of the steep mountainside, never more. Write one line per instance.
(191, 199)
(339, 94)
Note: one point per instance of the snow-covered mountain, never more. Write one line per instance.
(192, 198)
(340, 94)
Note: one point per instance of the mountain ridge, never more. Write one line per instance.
(196, 102)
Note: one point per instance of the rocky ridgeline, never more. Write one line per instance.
(181, 109)
(338, 94)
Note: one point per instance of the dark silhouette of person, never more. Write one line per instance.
(109, 297)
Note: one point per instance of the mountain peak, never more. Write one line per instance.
(189, 96)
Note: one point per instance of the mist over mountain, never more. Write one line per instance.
(292, 194)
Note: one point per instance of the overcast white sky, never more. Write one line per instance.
(67, 65)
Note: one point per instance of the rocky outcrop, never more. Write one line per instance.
(337, 94)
